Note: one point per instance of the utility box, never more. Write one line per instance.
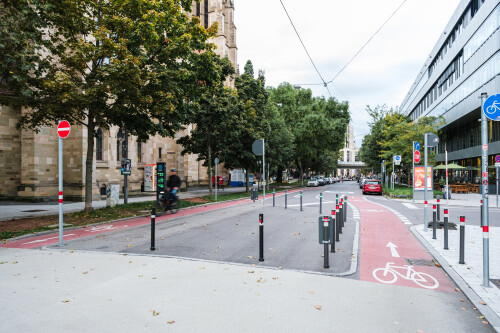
(113, 195)
(321, 228)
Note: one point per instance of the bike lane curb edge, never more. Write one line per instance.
(474, 298)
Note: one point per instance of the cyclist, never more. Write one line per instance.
(173, 184)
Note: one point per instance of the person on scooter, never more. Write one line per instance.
(174, 183)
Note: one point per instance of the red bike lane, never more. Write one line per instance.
(386, 243)
(70, 234)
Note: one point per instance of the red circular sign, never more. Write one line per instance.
(416, 157)
(63, 129)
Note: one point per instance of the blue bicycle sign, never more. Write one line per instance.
(491, 107)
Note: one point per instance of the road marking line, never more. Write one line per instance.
(409, 205)
(395, 212)
(45, 239)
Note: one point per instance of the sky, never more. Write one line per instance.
(333, 31)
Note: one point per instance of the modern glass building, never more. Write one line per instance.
(464, 63)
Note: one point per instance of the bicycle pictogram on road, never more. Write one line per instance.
(389, 274)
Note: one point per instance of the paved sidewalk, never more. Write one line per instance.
(458, 199)
(15, 210)
(469, 276)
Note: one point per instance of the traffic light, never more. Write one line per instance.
(161, 178)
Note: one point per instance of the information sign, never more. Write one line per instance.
(491, 107)
(420, 180)
(416, 157)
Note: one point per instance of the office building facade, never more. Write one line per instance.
(464, 63)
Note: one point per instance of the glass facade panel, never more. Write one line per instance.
(490, 25)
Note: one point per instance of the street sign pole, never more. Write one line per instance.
(60, 163)
(216, 179)
(263, 170)
(413, 174)
(447, 186)
(484, 174)
(392, 173)
(497, 185)
(425, 182)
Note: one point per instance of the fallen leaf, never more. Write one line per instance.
(86, 272)
(128, 245)
(261, 280)
(15, 262)
(202, 267)
(311, 292)
(251, 272)
(66, 301)
(420, 331)
(275, 278)
(481, 317)
(155, 313)
(456, 289)
(170, 322)
(461, 300)
(318, 307)
(464, 309)
(4, 262)
(483, 303)
(485, 322)
(154, 277)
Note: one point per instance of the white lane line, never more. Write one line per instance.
(409, 205)
(395, 212)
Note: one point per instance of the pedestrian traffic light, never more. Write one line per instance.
(161, 178)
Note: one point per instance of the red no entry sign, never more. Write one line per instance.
(63, 129)
(416, 157)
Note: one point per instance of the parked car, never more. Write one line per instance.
(313, 182)
(321, 181)
(372, 186)
(362, 183)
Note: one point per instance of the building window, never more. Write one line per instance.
(159, 153)
(205, 16)
(198, 9)
(121, 140)
(98, 145)
(348, 156)
(139, 151)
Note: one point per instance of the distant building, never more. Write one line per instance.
(464, 63)
(28, 160)
(348, 154)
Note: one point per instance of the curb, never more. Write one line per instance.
(492, 318)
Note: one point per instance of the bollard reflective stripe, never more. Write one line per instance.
(446, 212)
(325, 221)
(425, 203)
(462, 221)
(153, 216)
(434, 208)
(486, 231)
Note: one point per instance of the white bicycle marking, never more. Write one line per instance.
(106, 228)
(390, 274)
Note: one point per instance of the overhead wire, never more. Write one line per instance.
(325, 84)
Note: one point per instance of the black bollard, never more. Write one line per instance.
(261, 237)
(300, 200)
(337, 224)
(325, 241)
(274, 199)
(153, 218)
(286, 198)
(434, 224)
(341, 213)
(438, 210)
(446, 229)
(462, 240)
(345, 206)
(320, 202)
(334, 232)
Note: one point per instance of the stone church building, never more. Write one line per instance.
(28, 160)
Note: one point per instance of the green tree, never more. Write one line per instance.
(101, 63)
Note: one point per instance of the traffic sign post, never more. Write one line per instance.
(216, 178)
(497, 165)
(490, 109)
(63, 130)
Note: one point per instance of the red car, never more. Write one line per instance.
(372, 186)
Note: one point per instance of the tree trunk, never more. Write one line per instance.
(279, 176)
(247, 182)
(210, 189)
(89, 163)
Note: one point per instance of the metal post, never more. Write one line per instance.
(497, 184)
(261, 237)
(60, 162)
(434, 224)
(337, 223)
(263, 171)
(274, 199)
(481, 211)
(341, 222)
(413, 173)
(334, 232)
(325, 241)
(320, 202)
(446, 229)
(462, 240)
(345, 204)
(153, 218)
(216, 182)
(484, 173)
(301, 201)
(425, 182)
(286, 198)
(438, 216)
(343, 212)
(392, 173)
(125, 190)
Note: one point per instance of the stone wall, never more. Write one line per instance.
(10, 152)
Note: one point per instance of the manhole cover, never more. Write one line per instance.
(496, 282)
(33, 211)
(420, 262)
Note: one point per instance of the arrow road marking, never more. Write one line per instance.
(393, 247)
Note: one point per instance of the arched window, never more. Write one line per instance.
(122, 140)
(98, 145)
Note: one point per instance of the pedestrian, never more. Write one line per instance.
(441, 183)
